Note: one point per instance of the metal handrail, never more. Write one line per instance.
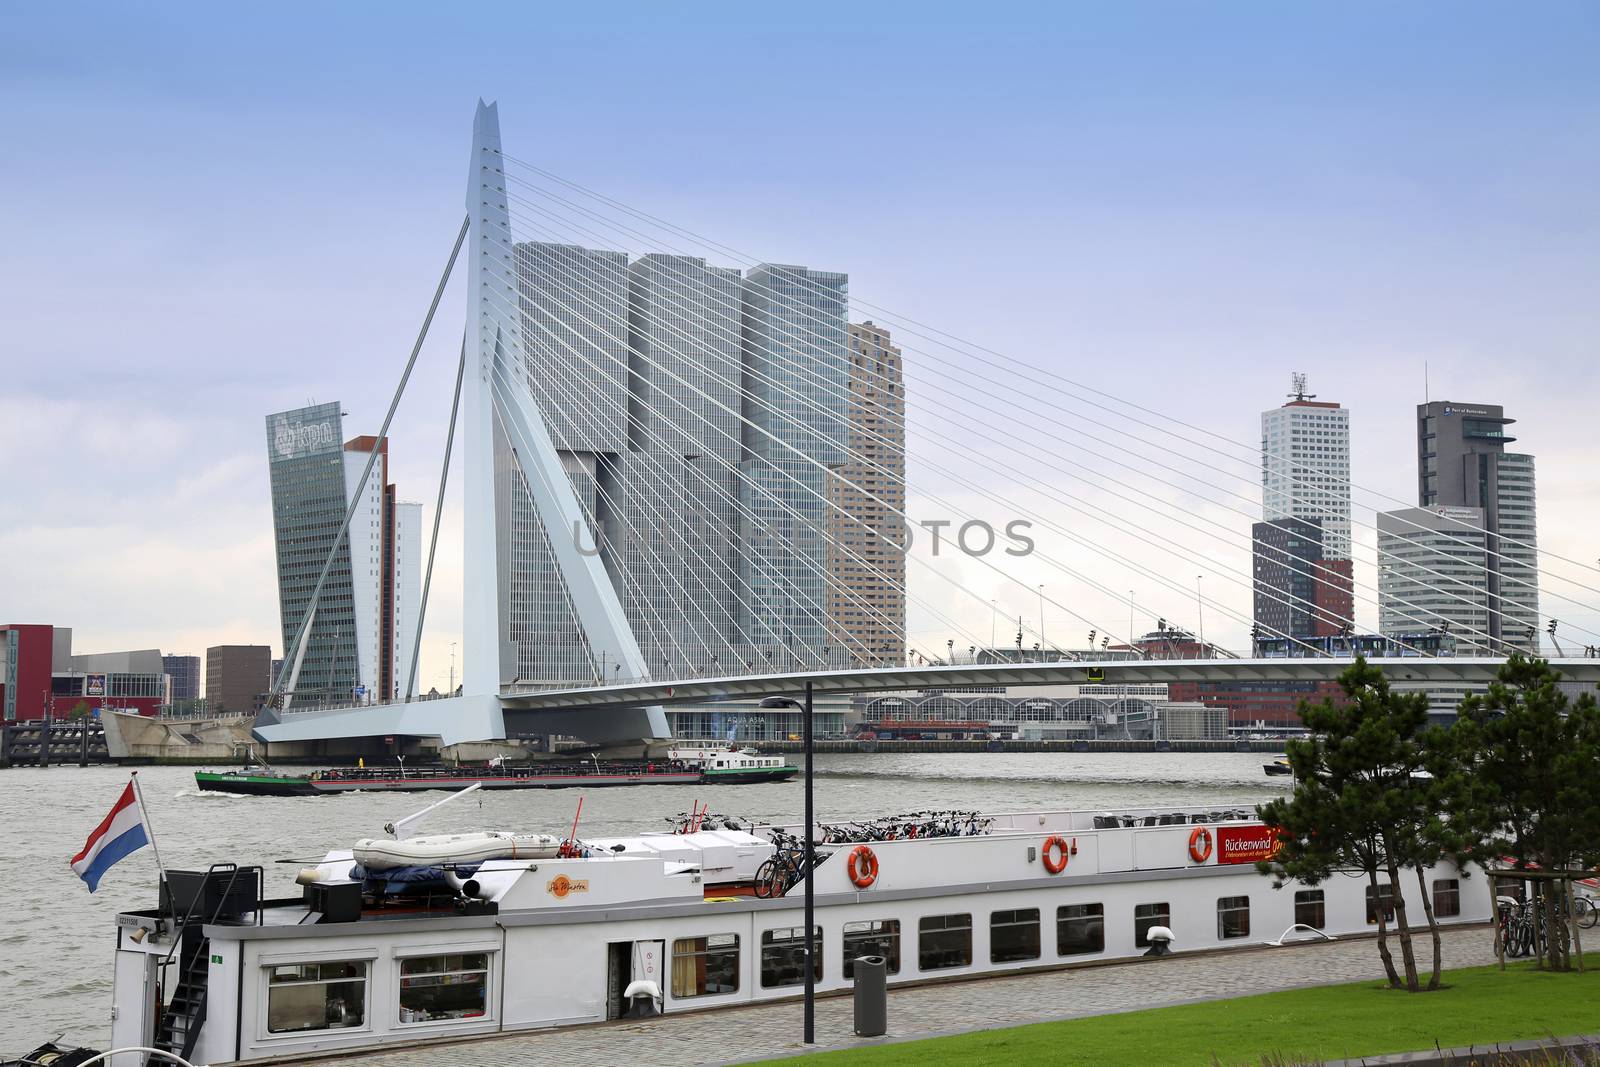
(178, 927)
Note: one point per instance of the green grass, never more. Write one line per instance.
(1478, 1006)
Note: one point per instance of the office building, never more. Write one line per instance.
(1298, 593)
(797, 378)
(237, 678)
(364, 623)
(646, 372)
(184, 671)
(1432, 575)
(1305, 479)
(1267, 706)
(1462, 462)
(866, 528)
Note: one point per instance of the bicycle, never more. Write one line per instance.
(785, 867)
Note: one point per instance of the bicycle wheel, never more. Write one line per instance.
(1519, 934)
(762, 886)
(1588, 913)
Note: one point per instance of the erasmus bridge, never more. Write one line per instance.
(703, 424)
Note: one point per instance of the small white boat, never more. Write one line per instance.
(382, 854)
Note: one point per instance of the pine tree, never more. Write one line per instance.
(1360, 806)
(1527, 777)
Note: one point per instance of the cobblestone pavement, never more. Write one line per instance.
(767, 1031)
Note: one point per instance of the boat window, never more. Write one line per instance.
(1080, 928)
(1014, 935)
(316, 996)
(1446, 898)
(1309, 909)
(1233, 917)
(1147, 915)
(437, 988)
(944, 941)
(1384, 891)
(783, 956)
(880, 937)
(705, 966)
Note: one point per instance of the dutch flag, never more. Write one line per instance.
(119, 834)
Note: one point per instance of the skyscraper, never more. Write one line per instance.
(1305, 479)
(1462, 462)
(1431, 575)
(651, 375)
(359, 644)
(867, 604)
(796, 425)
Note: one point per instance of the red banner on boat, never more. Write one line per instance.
(1245, 844)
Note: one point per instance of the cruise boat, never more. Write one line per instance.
(585, 931)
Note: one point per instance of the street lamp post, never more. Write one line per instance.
(807, 736)
(1042, 643)
(811, 930)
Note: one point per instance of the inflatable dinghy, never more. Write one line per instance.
(381, 854)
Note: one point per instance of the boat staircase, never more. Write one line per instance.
(184, 1015)
(224, 893)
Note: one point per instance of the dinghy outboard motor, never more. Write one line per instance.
(643, 997)
(1160, 938)
(467, 887)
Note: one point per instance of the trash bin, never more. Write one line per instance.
(872, 996)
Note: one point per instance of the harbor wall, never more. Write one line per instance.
(136, 738)
(1000, 745)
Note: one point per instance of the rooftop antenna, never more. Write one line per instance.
(1425, 397)
(1297, 385)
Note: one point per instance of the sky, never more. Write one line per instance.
(212, 213)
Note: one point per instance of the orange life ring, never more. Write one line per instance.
(1200, 844)
(1059, 863)
(863, 866)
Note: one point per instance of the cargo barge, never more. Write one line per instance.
(700, 767)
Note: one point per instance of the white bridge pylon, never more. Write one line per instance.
(498, 393)
(493, 393)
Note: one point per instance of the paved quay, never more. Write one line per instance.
(769, 1031)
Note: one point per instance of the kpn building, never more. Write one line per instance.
(364, 621)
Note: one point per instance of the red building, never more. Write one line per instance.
(1271, 705)
(1334, 596)
(26, 662)
(40, 676)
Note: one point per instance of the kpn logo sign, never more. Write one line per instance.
(292, 438)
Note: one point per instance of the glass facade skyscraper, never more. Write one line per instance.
(361, 636)
(650, 375)
(1462, 462)
(305, 456)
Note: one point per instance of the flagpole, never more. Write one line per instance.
(150, 831)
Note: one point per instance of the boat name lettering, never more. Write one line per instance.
(1245, 844)
(561, 885)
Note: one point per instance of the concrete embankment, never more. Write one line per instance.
(1023, 746)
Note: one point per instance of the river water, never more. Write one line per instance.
(56, 939)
